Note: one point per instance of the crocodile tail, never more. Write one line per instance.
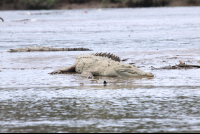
(77, 49)
(108, 55)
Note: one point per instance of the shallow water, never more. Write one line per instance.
(33, 101)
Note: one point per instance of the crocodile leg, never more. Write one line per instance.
(87, 74)
(64, 70)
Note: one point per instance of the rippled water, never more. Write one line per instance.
(33, 101)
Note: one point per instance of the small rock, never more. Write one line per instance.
(104, 83)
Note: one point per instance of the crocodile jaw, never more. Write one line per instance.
(132, 72)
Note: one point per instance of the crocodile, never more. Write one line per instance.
(42, 48)
(102, 64)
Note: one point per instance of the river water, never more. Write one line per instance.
(31, 100)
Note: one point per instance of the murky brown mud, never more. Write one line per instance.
(34, 101)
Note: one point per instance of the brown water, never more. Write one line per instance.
(33, 101)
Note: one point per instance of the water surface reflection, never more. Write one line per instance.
(161, 109)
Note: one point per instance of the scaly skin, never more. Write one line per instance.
(91, 65)
(41, 48)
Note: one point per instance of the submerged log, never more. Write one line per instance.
(197, 66)
(181, 65)
(29, 49)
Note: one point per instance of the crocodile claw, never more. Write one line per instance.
(55, 72)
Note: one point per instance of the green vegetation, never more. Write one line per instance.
(29, 4)
(50, 4)
(38, 4)
(138, 3)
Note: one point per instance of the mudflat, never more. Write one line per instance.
(34, 101)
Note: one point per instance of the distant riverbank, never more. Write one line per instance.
(139, 3)
(81, 4)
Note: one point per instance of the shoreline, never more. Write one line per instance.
(95, 4)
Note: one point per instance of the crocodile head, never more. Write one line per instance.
(131, 71)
